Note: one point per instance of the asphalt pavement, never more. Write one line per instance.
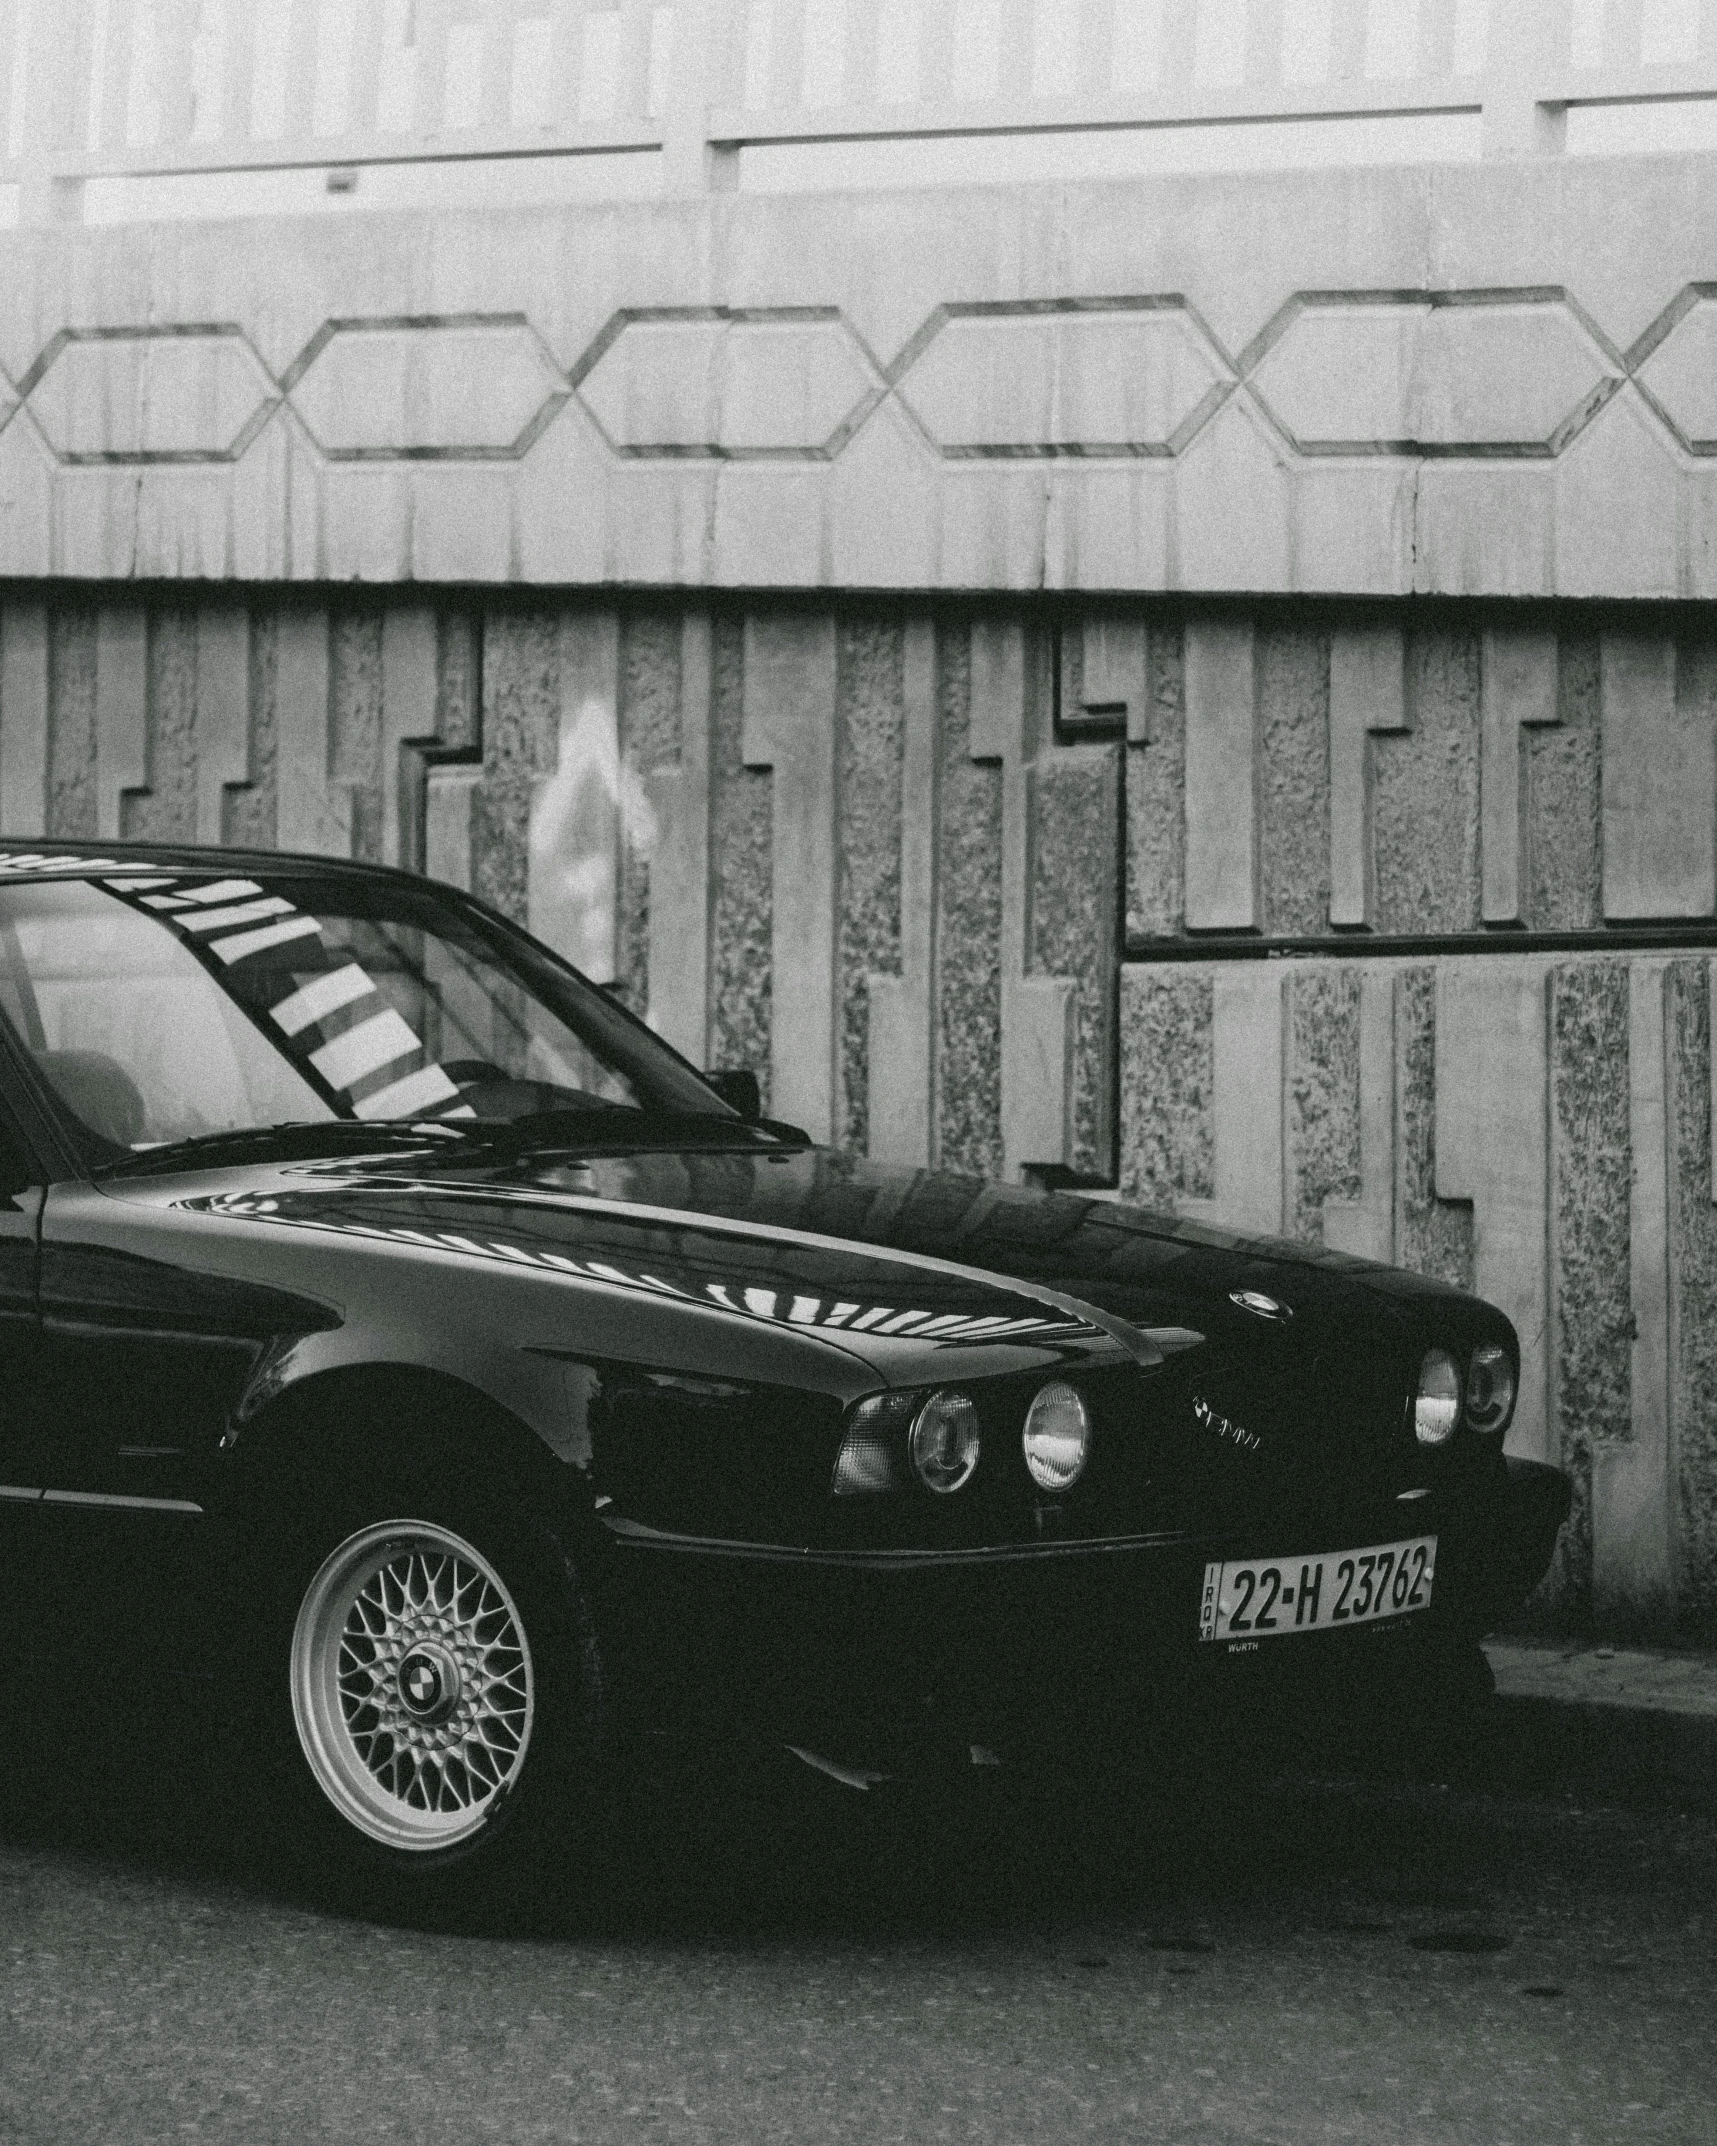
(1276, 1957)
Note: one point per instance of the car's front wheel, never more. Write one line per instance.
(435, 1698)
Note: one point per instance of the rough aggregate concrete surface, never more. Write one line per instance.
(1303, 1964)
(1593, 1171)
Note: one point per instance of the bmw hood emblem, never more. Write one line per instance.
(1256, 1302)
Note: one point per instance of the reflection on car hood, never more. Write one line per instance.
(827, 1241)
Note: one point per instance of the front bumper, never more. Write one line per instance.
(993, 1646)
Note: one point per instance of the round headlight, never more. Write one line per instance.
(1437, 1408)
(944, 1440)
(1057, 1436)
(1490, 1388)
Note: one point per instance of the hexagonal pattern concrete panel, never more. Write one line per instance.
(439, 389)
(1680, 376)
(1070, 380)
(194, 394)
(793, 385)
(1517, 377)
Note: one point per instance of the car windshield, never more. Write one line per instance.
(164, 1007)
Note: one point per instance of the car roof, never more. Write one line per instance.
(43, 857)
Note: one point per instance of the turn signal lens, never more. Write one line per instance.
(944, 1441)
(1490, 1388)
(1437, 1408)
(1057, 1436)
(865, 1465)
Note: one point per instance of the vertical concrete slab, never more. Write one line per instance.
(121, 713)
(222, 723)
(1248, 1069)
(573, 857)
(679, 861)
(408, 717)
(789, 728)
(23, 719)
(313, 812)
(449, 802)
(1367, 698)
(902, 1008)
(1113, 663)
(1492, 1150)
(1366, 1226)
(1518, 693)
(1037, 1011)
(1632, 1502)
(1659, 785)
(1221, 776)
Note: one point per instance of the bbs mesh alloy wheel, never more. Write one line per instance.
(414, 1690)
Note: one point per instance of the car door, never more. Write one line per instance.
(21, 1188)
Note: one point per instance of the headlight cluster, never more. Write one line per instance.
(940, 1437)
(1486, 1397)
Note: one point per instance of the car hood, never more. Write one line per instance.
(877, 1257)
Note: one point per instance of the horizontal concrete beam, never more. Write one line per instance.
(1490, 380)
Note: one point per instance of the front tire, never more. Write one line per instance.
(433, 1697)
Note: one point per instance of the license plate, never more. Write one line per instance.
(1271, 1598)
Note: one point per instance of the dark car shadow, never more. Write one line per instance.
(112, 1762)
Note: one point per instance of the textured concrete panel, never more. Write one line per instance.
(1323, 1095)
(870, 714)
(379, 390)
(1075, 855)
(741, 873)
(152, 396)
(1564, 840)
(1693, 1255)
(1086, 381)
(1593, 1166)
(521, 735)
(1294, 801)
(1425, 804)
(969, 929)
(1432, 1235)
(573, 858)
(1156, 797)
(1168, 1084)
(900, 1043)
(121, 713)
(649, 660)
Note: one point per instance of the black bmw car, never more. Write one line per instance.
(494, 1383)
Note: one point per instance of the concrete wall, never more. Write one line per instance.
(986, 887)
(1485, 380)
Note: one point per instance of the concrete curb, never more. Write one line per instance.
(1636, 1723)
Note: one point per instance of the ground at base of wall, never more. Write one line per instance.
(1627, 1722)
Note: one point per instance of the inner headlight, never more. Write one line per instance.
(1490, 1388)
(944, 1441)
(1437, 1406)
(1057, 1436)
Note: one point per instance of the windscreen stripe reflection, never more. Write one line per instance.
(320, 997)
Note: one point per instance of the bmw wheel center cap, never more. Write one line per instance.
(428, 1683)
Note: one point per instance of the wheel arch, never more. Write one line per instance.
(350, 1422)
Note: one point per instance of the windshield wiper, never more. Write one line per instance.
(292, 1138)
